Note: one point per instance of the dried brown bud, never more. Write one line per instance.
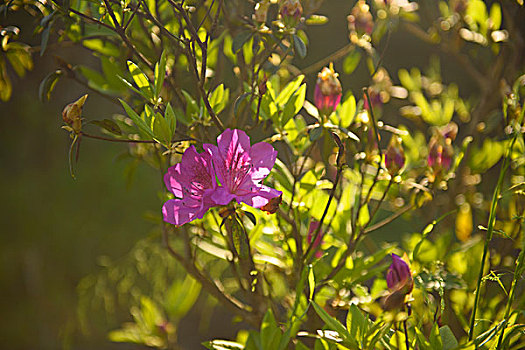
(272, 206)
(72, 113)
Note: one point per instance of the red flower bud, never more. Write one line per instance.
(440, 150)
(394, 156)
(328, 90)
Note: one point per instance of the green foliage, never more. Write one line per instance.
(184, 72)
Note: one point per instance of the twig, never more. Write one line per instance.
(331, 58)
(127, 140)
(309, 252)
(229, 301)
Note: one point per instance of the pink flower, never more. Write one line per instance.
(318, 241)
(192, 181)
(241, 168)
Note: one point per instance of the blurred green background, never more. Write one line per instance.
(55, 228)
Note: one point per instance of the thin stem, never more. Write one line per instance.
(490, 231)
(126, 140)
(517, 273)
(309, 252)
(331, 58)
(406, 334)
(235, 305)
(389, 219)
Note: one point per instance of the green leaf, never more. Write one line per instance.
(108, 125)
(44, 40)
(288, 91)
(333, 323)
(171, 119)
(95, 79)
(219, 98)
(5, 83)
(140, 79)
(351, 61)
(139, 122)
(239, 40)
(160, 74)
(294, 105)
(448, 338)
(151, 314)
(283, 175)
(356, 323)
(48, 84)
(346, 111)
(270, 332)
(300, 46)
(161, 129)
(251, 217)
(435, 338)
(421, 340)
(311, 282)
(103, 47)
(181, 297)
(130, 86)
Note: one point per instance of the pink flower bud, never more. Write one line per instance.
(400, 283)
(328, 90)
(291, 11)
(399, 275)
(394, 156)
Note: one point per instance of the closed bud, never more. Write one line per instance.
(394, 156)
(400, 283)
(440, 150)
(291, 12)
(328, 90)
(72, 113)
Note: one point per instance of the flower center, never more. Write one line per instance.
(236, 168)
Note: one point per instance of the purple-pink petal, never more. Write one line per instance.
(398, 272)
(177, 212)
(192, 181)
(263, 157)
(259, 197)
